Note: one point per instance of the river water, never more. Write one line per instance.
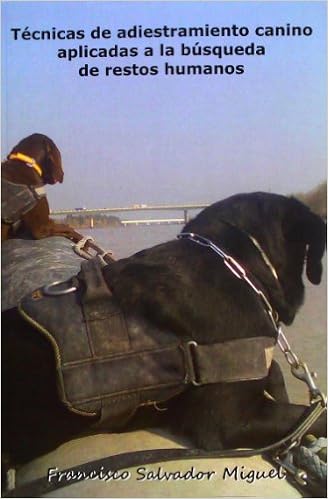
(307, 335)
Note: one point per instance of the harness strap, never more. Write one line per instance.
(110, 363)
(98, 305)
(235, 360)
(16, 200)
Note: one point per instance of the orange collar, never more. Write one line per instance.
(28, 160)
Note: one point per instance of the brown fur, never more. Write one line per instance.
(37, 223)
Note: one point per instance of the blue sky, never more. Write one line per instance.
(169, 139)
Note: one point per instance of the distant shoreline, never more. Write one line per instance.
(81, 221)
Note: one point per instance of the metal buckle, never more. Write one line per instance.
(83, 247)
(303, 373)
(300, 370)
(299, 475)
(190, 356)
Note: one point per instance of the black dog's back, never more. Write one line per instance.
(187, 289)
(34, 421)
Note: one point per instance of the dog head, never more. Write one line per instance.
(290, 234)
(46, 154)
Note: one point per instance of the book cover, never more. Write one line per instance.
(157, 109)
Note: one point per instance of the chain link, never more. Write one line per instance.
(236, 269)
(285, 347)
(298, 368)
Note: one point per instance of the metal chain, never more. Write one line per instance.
(285, 347)
(236, 269)
(299, 368)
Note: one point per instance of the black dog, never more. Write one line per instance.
(186, 288)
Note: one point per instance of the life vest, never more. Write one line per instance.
(109, 363)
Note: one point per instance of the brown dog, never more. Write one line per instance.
(34, 162)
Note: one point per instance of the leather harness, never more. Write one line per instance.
(99, 317)
(110, 363)
(17, 199)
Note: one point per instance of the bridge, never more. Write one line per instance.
(152, 221)
(185, 208)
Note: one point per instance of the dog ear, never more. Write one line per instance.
(307, 228)
(317, 236)
(52, 164)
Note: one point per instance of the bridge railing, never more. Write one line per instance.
(185, 208)
(171, 207)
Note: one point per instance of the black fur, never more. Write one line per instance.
(186, 287)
